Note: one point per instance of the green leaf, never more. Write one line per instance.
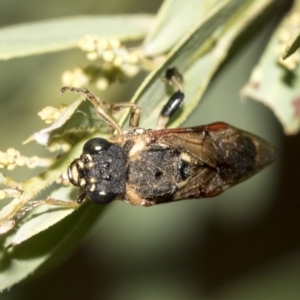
(78, 116)
(198, 55)
(276, 86)
(60, 34)
(22, 260)
(173, 21)
(60, 125)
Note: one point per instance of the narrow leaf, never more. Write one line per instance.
(60, 34)
(22, 260)
(78, 116)
(195, 44)
(173, 21)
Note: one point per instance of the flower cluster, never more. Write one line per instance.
(111, 61)
(13, 158)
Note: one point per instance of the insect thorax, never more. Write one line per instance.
(156, 173)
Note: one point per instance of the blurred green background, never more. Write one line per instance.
(244, 244)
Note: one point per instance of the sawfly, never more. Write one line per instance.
(148, 167)
(145, 167)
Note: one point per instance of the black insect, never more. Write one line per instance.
(148, 167)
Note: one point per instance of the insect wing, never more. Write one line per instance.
(220, 154)
(192, 141)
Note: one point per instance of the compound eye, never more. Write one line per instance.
(95, 145)
(101, 197)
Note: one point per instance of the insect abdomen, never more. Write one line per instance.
(240, 154)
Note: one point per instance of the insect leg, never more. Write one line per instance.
(33, 204)
(135, 111)
(101, 108)
(172, 77)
